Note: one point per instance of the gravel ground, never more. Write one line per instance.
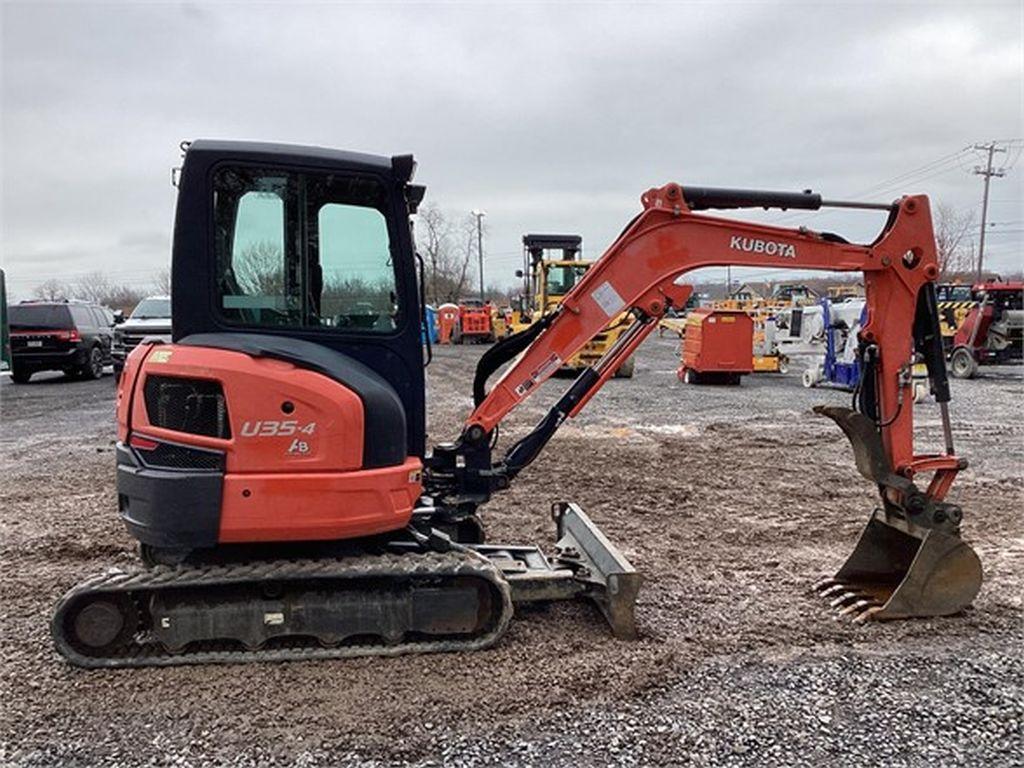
(730, 501)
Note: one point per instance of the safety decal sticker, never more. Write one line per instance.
(607, 299)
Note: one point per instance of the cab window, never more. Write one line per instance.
(304, 250)
(562, 278)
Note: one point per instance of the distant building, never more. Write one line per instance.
(751, 292)
(794, 293)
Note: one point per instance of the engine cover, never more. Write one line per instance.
(279, 448)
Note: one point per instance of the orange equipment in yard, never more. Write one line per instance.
(718, 346)
(447, 322)
(475, 323)
(273, 462)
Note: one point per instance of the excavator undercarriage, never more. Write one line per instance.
(416, 597)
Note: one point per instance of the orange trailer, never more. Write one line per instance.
(718, 346)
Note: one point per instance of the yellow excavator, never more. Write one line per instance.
(552, 266)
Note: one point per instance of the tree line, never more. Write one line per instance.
(98, 287)
(449, 247)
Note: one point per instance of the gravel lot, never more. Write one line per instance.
(730, 501)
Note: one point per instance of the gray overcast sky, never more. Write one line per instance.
(551, 118)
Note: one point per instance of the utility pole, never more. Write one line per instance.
(991, 148)
(480, 248)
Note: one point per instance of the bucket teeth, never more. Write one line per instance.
(857, 608)
(847, 600)
(866, 614)
(824, 584)
(835, 589)
(899, 570)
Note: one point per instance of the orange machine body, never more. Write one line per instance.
(718, 341)
(475, 322)
(292, 446)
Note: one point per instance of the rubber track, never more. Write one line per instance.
(152, 654)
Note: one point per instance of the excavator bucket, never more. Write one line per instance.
(898, 569)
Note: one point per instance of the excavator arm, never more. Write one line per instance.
(668, 239)
(639, 274)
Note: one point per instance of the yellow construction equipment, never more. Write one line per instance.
(547, 280)
(956, 300)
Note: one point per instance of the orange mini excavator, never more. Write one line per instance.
(272, 460)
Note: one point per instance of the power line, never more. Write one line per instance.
(937, 167)
(988, 172)
(904, 178)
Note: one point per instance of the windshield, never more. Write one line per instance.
(30, 316)
(563, 277)
(148, 309)
(953, 293)
(304, 250)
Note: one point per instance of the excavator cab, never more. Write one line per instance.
(307, 245)
(296, 355)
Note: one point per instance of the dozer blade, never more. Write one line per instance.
(899, 570)
(584, 564)
(612, 581)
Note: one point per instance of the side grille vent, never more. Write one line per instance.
(194, 406)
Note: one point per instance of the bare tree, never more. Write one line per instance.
(52, 290)
(93, 286)
(97, 287)
(448, 250)
(467, 233)
(162, 282)
(259, 270)
(435, 242)
(123, 297)
(953, 243)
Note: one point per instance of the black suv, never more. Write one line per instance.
(70, 336)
